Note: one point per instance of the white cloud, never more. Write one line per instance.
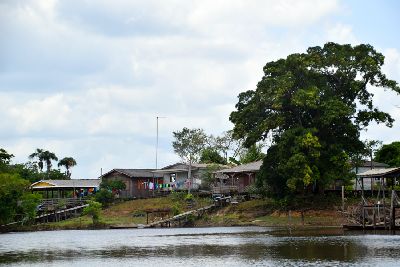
(341, 33)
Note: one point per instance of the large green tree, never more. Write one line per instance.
(16, 202)
(314, 106)
(389, 154)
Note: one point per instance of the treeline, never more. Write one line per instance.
(17, 202)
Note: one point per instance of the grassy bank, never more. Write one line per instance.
(128, 213)
(267, 212)
(259, 212)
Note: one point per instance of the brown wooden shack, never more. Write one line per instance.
(139, 183)
(236, 179)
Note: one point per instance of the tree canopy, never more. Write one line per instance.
(68, 163)
(253, 153)
(211, 155)
(189, 143)
(389, 154)
(314, 106)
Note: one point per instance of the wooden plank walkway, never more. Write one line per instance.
(180, 217)
(61, 211)
(54, 215)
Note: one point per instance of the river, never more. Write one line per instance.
(220, 246)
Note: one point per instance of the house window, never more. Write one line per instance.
(172, 178)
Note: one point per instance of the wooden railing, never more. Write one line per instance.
(221, 189)
(60, 203)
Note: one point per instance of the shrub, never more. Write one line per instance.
(178, 196)
(93, 210)
(104, 196)
(176, 209)
(189, 197)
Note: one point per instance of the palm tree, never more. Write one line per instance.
(38, 154)
(68, 163)
(47, 157)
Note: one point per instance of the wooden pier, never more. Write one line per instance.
(181, 219)
(380, 211)
(61, 214)
(184, 218)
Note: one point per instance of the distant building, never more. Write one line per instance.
(177, 175)
(139, 182)
(369, 165)
(378, 177)
(365, 167)
(236, 179)
(147, 182)
(63, 188)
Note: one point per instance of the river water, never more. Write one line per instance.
(220, 246)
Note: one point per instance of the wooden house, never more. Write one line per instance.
(139, 182)
(176, 175)
(236, 179)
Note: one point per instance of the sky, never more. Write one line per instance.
(87, 78)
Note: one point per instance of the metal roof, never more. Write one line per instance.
(185, 166)
(181, 167)
(249, 167)
(78, 183)
(367, 163)
(170, 170)
(375, 173)
(133, 173)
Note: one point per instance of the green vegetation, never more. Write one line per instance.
(211, 155)
(270, 212)
(104, 196)
(107, 192)
(68, 163)
(389, 154)
(313, 106)
(188, 145)
(113, 185)
(17, 203)
(251, 154)
(93, 210)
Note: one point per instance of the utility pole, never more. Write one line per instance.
(157, 141)
(156, 151)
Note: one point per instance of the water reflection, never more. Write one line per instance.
(199, 246)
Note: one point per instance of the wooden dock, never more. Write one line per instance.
(181, 219)
(59, 215)
(376, 215)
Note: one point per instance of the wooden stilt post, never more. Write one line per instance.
(384, 204)
(392, 213)
(363, 216)
(342, 197)
(374, 216)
